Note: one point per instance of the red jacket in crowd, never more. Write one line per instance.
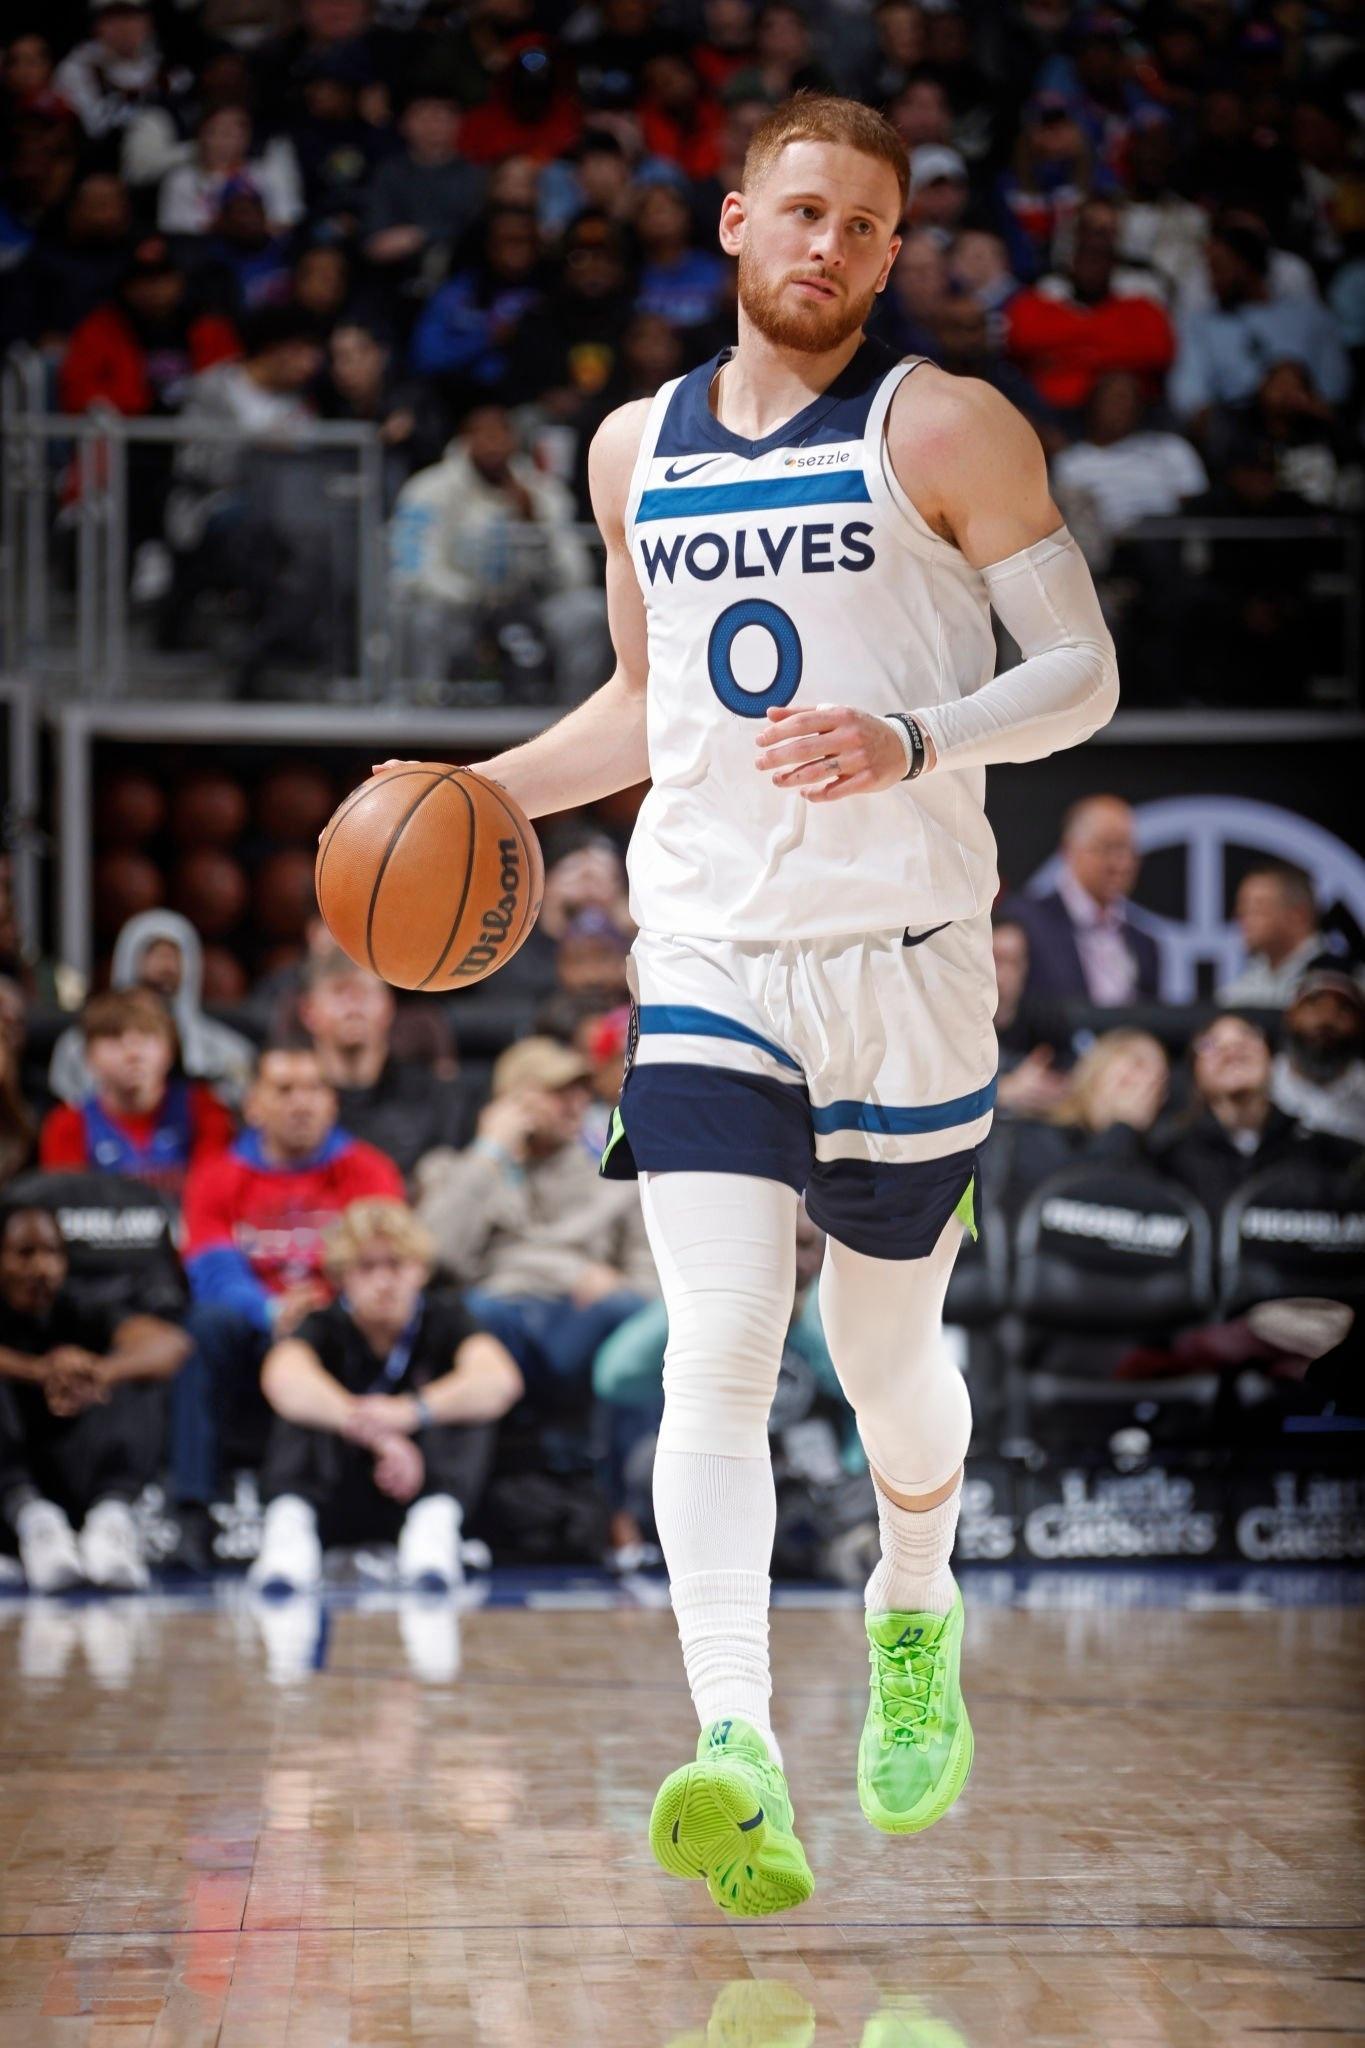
(107, 361)
(1064, 348)
(254, 1229)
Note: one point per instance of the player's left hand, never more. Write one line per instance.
(832, 751)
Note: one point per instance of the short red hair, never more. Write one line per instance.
(825, 117)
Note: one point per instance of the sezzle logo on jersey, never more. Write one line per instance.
(761, 551)
(832, 458)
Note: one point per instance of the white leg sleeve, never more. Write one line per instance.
(725, 1248)
(883, 1322)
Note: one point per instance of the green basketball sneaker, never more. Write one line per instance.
(728, 1818)
(916, 1749)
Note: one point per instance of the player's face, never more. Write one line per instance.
(815, 239)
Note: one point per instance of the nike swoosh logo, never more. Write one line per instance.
(674, 475)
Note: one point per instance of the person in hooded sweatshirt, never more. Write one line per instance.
(160, 951)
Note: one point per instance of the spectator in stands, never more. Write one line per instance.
(964, 334)
(1083, 944)
(18, 1129)
(386, 1404)
(359, 385)
(254, 1217)
(1028, 1032)
(588, 875)
(467, 327)
(161, 951)
(117, 71)
(1160, 227)
(1124, 470)
(921, 112)
(591, 958)
(26, 80)
(1314, 456)
(82, 1414)
(321, 284)
(339, 147)
(397, 1106)
(680, 120)
(326, 28)
(1044, 187)
(939, 191)
(910, 313)
(1319, 1074)
(687, 286)
(1224, 352)
(979, 268)
(1233, 1127)
(242, 260)
(142, 347)
(191, 194)
(573, 352)
(76, 262)
(784, 57)
(1114, 1095)
(1089, 317)
(532, 109)
(1277, 914)
(139, 1119)
(554, 1257)
(233, 532)
(487, 530)
(423, 201)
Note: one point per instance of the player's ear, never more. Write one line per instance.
(732, 218)
(893, 251)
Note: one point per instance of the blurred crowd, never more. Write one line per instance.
(352, 1250)
(477, 227)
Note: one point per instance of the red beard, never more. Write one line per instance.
(811, 326)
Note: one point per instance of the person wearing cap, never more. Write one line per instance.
(553, 1256)
(1319, 1072)
(939, 190)
(1224, 351)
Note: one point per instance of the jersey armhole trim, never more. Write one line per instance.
(907, 523)
(654, 420)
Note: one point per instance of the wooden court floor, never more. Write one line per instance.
(377, 1824)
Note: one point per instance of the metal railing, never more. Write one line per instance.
(74, 497)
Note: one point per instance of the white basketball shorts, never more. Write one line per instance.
(858, 1070)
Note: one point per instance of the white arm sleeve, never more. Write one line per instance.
(1064, 689)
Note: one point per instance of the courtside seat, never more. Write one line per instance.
(1106, 1258)
(1293, 1230)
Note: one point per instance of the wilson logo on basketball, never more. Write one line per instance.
(497, 921)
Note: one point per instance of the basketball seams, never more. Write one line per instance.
(471, 847)
(339, 816)
(395, 835)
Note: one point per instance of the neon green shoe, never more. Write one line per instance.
(755, 2012)
(728, 1818)
(916, 1748)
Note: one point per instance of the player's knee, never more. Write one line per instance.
(720, 1370)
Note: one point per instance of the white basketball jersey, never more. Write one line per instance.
(794, 570)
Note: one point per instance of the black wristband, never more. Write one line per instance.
(916, 739)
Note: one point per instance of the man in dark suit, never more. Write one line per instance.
(1082, 944)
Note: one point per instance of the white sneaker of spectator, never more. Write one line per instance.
(111, 1549)
(429, 1545)
(290, 1559)
(47, 1548)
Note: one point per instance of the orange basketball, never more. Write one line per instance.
(430, 876)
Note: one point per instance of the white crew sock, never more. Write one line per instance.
(716, 1518)
(913, 1576)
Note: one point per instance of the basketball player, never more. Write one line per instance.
(805, 538)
